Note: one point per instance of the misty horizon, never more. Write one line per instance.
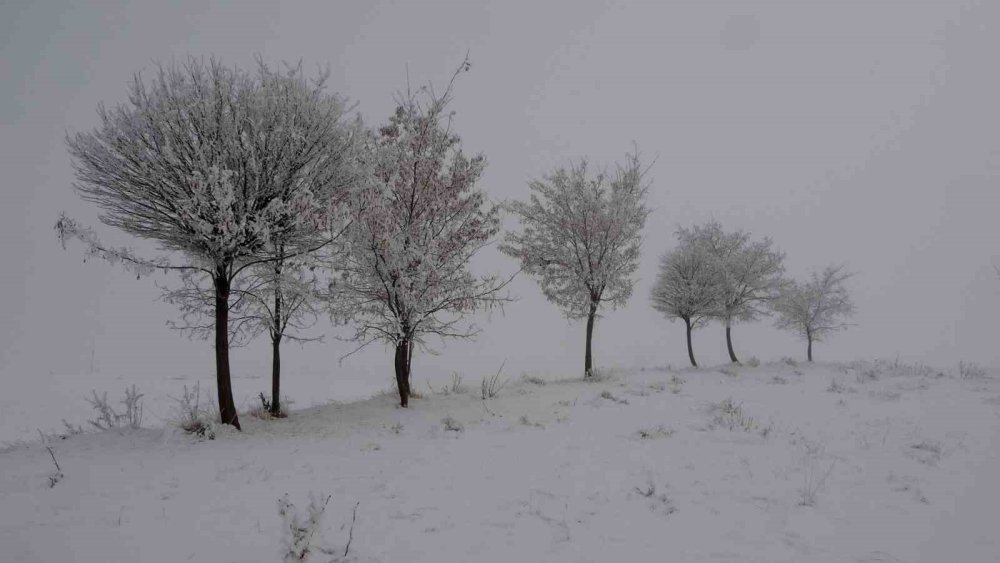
(872, 143)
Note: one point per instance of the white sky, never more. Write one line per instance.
(856, 131)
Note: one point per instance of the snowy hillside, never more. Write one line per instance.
(781, 462)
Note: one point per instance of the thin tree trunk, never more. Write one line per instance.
(276, 331)
(687, 322)
(809, 350)
(227, 407)
(588, 361)
(402, 364)
(729, 343)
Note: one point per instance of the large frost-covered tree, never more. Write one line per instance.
(216, 165)
(688, 287)
(581, 238)
(816, 308)
(750, 273)
(417, 221)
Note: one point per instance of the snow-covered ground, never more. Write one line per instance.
(804, 463)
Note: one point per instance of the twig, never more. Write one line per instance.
(59, 469)
(350, 534)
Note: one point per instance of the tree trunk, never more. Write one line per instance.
(409, 366)
(276, 347)
(694, 364)
(729, 343)
(402, 362)
(588, 361)
(809, 349)
(227, 407)
(276, 376)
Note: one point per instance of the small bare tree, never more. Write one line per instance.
(216, 165)
(416, 224)
(278, 297)
(817, 308)
(688, 287)
(581, 238)
(750, 273)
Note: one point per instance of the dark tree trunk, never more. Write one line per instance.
(809, 349)
(402, 362)
(687, 322)
(588, 361)
(276, 375)
(276, 346)
(227, 407)
(409, 365)
(729, 343)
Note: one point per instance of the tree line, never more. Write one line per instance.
(276, 205)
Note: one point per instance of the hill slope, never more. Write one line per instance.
(868, 462)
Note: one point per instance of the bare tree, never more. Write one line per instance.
(215, 164)
(278, 297)
(816, 308)
(751, 273)
(581, 238)
(417, 223)
(688, 287)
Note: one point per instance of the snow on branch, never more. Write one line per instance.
(581, 234)
(418, 220)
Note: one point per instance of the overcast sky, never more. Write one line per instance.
(856, 131)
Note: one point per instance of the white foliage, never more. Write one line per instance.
(219, 166)
(818, 307)
(689, 284)
(581, 235)
(750, 271)
(213, 162)
(417, 221)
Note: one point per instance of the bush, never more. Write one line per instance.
(676, 382)
(868, 373)
(108, 417)
(660, 431)
(969, 370)
(456, 383)
(492, 385)
(836, 387)
(56, 475)
(814, 476)
(533, 379)
(525, 421)
(731, 416)
(731, 371)
(299, 530)
(753, 362)
(192, 417)
(263, 410)
(608, 396)
(452, 425)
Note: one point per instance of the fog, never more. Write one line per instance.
(862, 132)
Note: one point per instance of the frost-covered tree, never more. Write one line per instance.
(216, 165)
(417, 222)
(581, 238)
(750, 273)
(688, 287)
(816, 308)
